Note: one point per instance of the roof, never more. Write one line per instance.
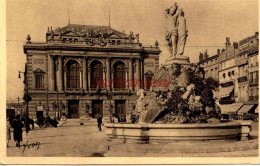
(208, 59)
(81, 29)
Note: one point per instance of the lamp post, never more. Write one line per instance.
(26, 98)
(58, 105)
(109, 97)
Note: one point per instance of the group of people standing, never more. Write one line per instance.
(17, 125)
(19, 122)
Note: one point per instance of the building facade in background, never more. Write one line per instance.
(253, 67)
(228, 73)
(237, 67)
(210, 64)
(85, 70)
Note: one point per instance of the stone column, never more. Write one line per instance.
(80, 78)
(104, 77)
(84, 75)
(89, 83)
(142, 73)
(127, 79)
(65, 77)
(131, 74)
(138, 74)
(59, 74)
(112, 75)
(108, 74)
(51, 73)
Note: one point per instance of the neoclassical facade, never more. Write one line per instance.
(86, 70)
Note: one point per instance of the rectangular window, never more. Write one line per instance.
(39, 82)
(64, 40)
(75, 40)
(251, 77)
(113, 42)
(118, 42)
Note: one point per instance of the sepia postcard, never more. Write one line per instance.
(129, 82)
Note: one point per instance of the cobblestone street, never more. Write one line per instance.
(74, 140)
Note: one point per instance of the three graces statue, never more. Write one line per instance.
(176, 33)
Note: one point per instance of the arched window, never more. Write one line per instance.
(119, 75)
(96, 74)
(73, 75)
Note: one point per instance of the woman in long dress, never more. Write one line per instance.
(18, 130)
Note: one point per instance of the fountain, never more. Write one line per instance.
(184, 108)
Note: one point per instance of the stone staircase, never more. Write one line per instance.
(80, 122)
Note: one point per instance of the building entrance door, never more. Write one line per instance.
(73, 111)
(97, 108)
(120, 108)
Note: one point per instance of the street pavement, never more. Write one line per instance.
(75, 140)
(70, 140)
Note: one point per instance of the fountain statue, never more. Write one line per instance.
(188, 97)
(176, 35)
(183, 109)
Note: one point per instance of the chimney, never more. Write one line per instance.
(228, 41)
(256, 33)
(218, 52)
(201, 57)
(206, 54)
(235, 44)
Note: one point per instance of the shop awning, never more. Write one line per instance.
(245, 109)
(256, 110)
(230, 108)
(224, 92)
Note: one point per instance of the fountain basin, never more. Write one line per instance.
(159, 133)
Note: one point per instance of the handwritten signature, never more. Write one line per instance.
(27, 145)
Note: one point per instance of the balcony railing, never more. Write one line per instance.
(253, 49)
(242, 79)
(253, 98)
(225, 84)
(241, 61)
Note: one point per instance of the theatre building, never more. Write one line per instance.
(85, 70)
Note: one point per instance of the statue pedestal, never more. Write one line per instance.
(182, 60)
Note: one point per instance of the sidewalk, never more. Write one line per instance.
(75, 140)
(69, 141)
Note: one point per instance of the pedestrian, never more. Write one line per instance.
(18, 130)
(8, 131)
(99, 121)
(55, 122)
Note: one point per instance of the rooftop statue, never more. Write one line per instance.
(176, 33)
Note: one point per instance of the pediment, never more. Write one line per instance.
(70, 33)
(149, 73)
(114, 35)
(38, 70)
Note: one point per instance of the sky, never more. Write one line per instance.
(209, 22)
